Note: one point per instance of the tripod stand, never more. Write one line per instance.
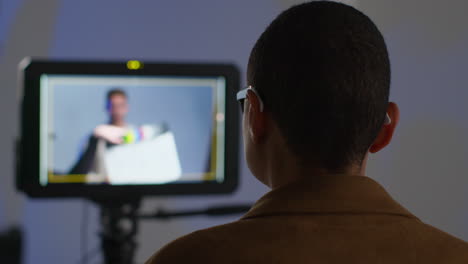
(119, 225)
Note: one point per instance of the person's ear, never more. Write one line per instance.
(386, 132)
(255, 117)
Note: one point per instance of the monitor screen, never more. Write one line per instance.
(156, 129)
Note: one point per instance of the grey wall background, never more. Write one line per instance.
(425, 168)
(186, 110)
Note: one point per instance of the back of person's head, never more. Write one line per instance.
(323, 72)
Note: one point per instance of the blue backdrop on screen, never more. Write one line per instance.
(188, 111)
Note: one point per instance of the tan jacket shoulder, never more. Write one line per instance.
(325, 220)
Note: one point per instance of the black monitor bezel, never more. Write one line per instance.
(27, 179)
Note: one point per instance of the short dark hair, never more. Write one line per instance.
(323, 71)
(115, 91)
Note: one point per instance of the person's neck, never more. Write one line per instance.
(119, 123)
(280, 166)
(284, 168)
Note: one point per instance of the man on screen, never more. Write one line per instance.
(110, 155)
(115, 132)
(316, 108)
(105, 135)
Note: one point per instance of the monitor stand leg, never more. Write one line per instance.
(119, 226)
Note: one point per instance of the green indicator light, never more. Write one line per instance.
(134, 65)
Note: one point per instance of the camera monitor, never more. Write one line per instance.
(124, 129)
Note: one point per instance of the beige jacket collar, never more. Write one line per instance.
(328, 194)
